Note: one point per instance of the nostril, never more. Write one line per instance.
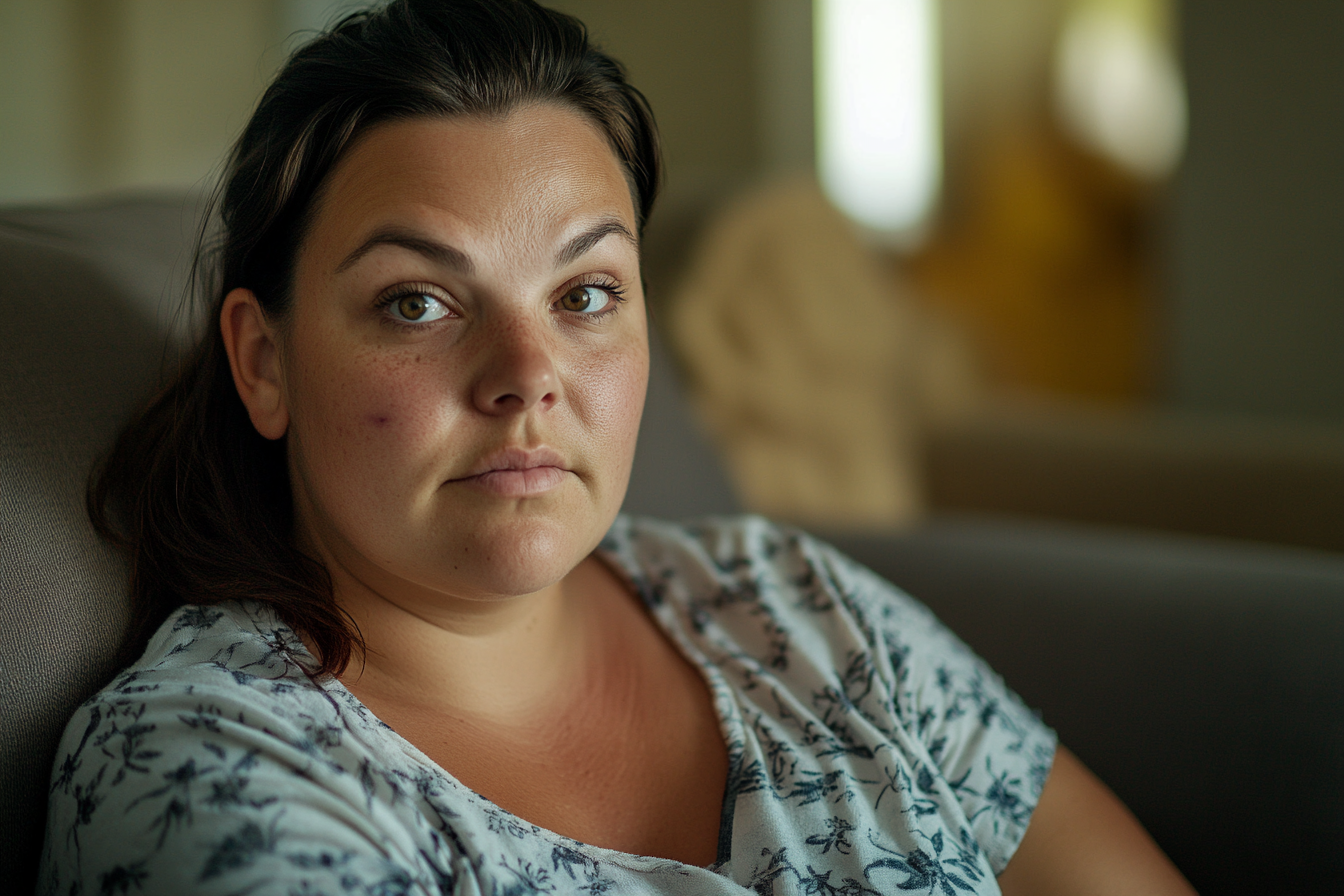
(513, 392)
(518, 372)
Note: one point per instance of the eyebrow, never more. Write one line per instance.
(576, 247)
(439, 253)
(457, 260)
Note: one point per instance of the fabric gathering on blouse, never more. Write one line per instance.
(870, 752)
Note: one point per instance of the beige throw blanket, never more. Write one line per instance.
(811, 364)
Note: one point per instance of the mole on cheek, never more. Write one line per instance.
(378, 419)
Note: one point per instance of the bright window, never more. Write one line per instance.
(879, 146)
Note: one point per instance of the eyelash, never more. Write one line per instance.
(396, 294)
(609, 285)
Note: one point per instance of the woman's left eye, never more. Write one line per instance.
(586, 299)
(416, 308)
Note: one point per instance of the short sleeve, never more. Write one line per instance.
(169, 788)
(992, 750)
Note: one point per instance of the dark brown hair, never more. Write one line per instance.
(197, 498)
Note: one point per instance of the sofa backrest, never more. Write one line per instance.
(79, 348)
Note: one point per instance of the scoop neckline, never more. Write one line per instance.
(730, 725)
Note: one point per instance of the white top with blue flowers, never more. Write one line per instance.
(870, 751)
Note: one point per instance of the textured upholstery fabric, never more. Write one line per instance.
(76, 356)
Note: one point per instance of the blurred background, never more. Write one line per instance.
(1075, 259)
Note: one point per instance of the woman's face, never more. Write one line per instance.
(465, 361)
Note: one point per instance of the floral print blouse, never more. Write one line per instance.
(870, 752)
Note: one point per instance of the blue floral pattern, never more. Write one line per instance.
(870, 752)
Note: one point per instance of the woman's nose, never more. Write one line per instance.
(519, 373)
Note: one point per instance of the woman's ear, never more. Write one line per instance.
(254, 358)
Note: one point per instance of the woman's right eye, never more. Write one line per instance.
(416, 308)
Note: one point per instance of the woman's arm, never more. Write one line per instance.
(1082, 839)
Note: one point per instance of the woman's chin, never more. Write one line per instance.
(516, 556)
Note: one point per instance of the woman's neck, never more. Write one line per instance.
(494, 658)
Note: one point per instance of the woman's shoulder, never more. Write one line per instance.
(720, 546)
(210, 676)
(751, 559)
(191, 755)
(235, 645)
(747, 533)
(206, 669)
(231, 664)
(753, 587)
(771, 594)
(848, 675)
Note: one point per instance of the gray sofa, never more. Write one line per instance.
(1204, 680)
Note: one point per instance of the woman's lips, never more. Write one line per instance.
(517, 483)
(517, 472)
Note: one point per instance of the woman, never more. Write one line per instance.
(396, 638)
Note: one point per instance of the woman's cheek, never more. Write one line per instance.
(402, 410)
(606, 398)
(615, 387)
(379, 420)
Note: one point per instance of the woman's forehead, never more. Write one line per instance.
(530, 175)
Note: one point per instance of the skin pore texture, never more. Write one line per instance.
(459, 382)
